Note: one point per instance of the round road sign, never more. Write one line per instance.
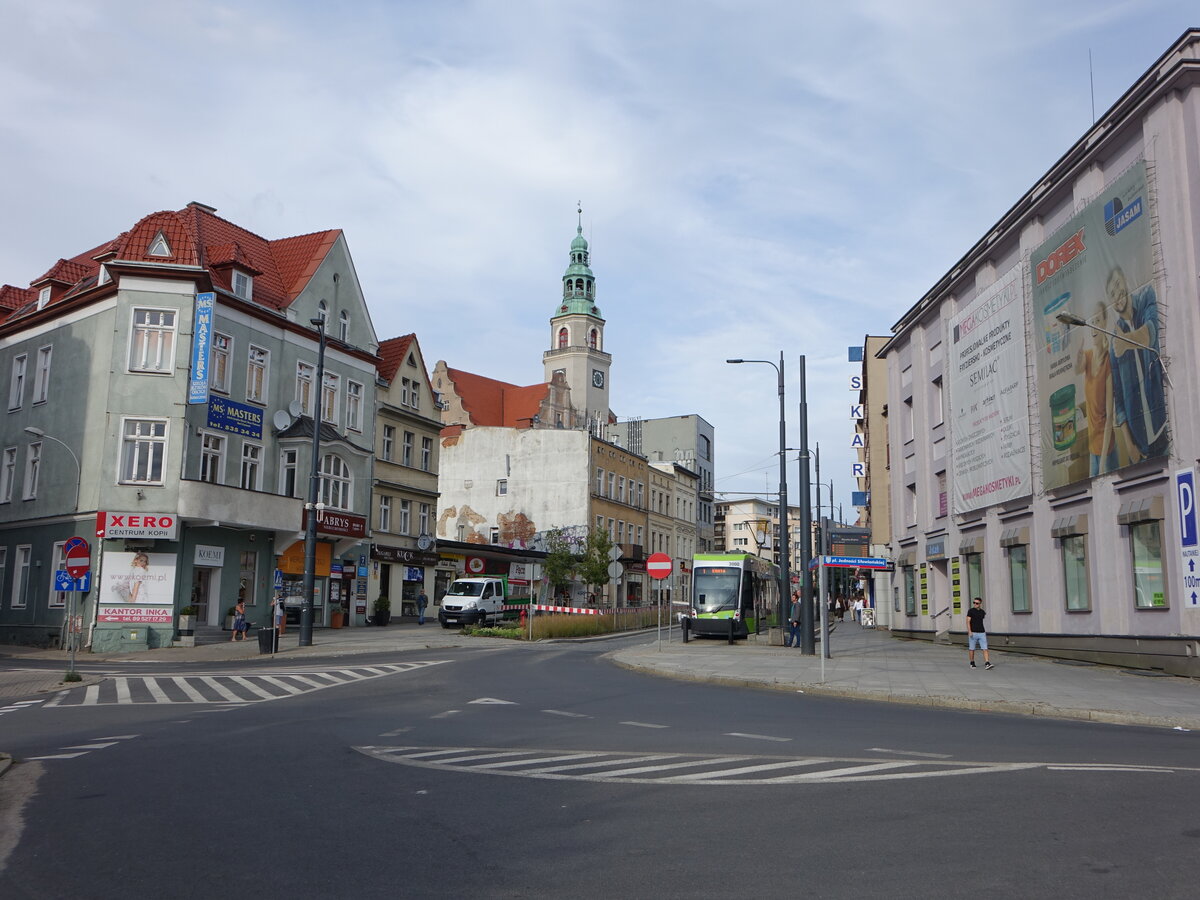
(658, 565)
(78, 556)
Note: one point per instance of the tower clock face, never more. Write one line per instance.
(597, 378)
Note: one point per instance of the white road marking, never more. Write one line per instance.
(447, 713)
(909, 753)
(493, 700)
(572, 715)
(743, 770)
(644, 725)
(159, 695)
(756, 737)
(625, 773)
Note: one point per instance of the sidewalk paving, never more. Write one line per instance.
(866, 664)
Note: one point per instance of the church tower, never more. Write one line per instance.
(577, 338)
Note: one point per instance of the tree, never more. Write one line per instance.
(562, 558)
(593, 567)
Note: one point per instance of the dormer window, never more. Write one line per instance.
(159, 246)
(243, 284)
(105, 278)
(43, 297)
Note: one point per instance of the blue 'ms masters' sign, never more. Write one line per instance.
(201, 344)
(236, 418)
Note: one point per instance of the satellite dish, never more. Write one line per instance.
(295, 408)
(281, 419)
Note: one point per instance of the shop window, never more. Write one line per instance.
(1075, 572)
(1145, 544)
(1018, 579)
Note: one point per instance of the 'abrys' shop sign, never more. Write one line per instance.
(156, 526)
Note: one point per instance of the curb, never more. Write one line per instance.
(1010, 707)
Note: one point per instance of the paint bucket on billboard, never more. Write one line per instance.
(1062, 416)
(1058, 334)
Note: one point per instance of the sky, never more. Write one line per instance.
(756, 177)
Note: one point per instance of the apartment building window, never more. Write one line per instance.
(494, 537)
(1018, 578)
(406, 450)
(3, 563)
(1145, 544)
(423, 511)
(620, 490)
(639, 535)
(16, 387)
(1075, 573)
(258, 362)
(620, 532)
(612, 484)
(385, 513)
(906, 421)
(288, 462)
(251, 466)
(20, 584)
(33, 469)
(331, 385)
(58, 599)
(304, 382)
(501, 487)
(405, 525)
(416, 395)
(153, 347)
(243, 284)
(599, 523)
(41, 377)
(388, 450)
(143, 449)
(344, 327)
(218, 369)
(641, 495)
(599, 482)
(611, 529)
(354, 398)
(212, 457)
(8, 474)
(335, 482)
(426, 454)
(936, 399)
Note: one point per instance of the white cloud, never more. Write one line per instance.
(756, 176)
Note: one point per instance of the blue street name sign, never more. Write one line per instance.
(857, 562)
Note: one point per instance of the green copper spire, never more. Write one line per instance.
(579, 284)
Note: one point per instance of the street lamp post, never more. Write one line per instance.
(1069, 319)
(39, 433)
(785, 580)
(808, 645)
(314, 493)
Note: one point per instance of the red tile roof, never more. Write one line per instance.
(392, 352)
(197, 237)
(491, 402)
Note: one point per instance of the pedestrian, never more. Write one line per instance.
(422, 602)
(240, 626)
(793, 636)
(280, 613)
(976, 634)
(858, 608)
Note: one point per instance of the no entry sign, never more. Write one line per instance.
(658, 565)
(78, 557)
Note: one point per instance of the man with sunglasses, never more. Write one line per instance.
(976, 635)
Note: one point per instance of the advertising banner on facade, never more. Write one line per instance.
(989, 397)
(137, 588)
(1100, 397)
(201, 345)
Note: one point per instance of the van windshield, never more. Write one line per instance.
(465, 589)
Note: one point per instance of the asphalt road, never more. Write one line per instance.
(545, 771)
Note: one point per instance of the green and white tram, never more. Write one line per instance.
(733, 595)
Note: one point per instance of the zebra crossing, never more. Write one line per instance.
(676, 768)
(225, 689)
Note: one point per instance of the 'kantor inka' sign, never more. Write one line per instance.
(238, 418)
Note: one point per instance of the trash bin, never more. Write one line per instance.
(266, 640)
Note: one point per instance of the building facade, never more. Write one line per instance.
(162, 393)
(404, 500)
(1042, 419)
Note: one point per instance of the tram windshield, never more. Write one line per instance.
(716, 588)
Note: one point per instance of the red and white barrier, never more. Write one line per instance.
(579, 610)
